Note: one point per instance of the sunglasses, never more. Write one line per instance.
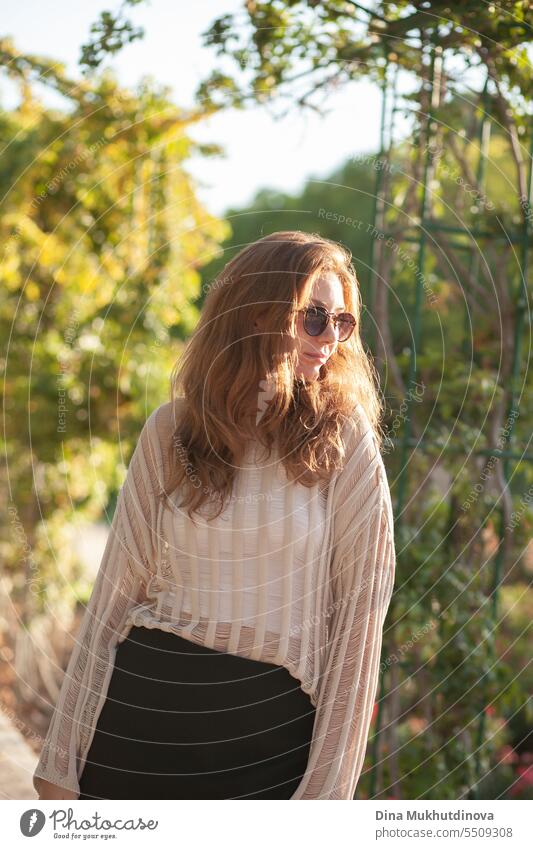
(317, 318)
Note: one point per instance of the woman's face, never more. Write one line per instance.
(313, 351)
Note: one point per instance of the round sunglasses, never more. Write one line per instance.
(316, 319)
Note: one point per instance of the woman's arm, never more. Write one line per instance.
(126, 567)
(362, 578)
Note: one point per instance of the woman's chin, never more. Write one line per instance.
(309, 371)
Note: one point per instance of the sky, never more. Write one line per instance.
(260, 150)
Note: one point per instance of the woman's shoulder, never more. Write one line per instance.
(363, 475)
(162, 422)
(357, 427)
(158, 431)
(361, 446)
(150, 461)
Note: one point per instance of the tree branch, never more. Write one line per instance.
(506, 114)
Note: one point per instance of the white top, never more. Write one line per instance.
(287, 574)
(271, 538)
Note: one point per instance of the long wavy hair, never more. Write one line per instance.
(219, 374)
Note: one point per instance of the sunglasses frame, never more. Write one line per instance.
(331, 316)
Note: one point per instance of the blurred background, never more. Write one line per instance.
(141, 147)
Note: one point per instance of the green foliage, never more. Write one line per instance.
(102, 236)
(109, 34)
(317, 42)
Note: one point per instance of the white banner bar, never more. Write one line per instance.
(231, 824)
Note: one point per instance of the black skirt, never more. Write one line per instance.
(183, 721)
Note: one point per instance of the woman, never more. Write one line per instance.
(231, 644)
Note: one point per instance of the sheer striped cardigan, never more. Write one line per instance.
(361, 554)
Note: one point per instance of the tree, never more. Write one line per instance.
(102, 240)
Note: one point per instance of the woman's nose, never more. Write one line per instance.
(330, 334)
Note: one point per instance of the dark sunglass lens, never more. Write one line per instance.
(315, 321)
(345, 324)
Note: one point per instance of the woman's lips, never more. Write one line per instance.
(317, 358)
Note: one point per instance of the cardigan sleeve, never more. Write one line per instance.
(121, 582)
(362, 576)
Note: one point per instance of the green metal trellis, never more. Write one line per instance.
(423, 228)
